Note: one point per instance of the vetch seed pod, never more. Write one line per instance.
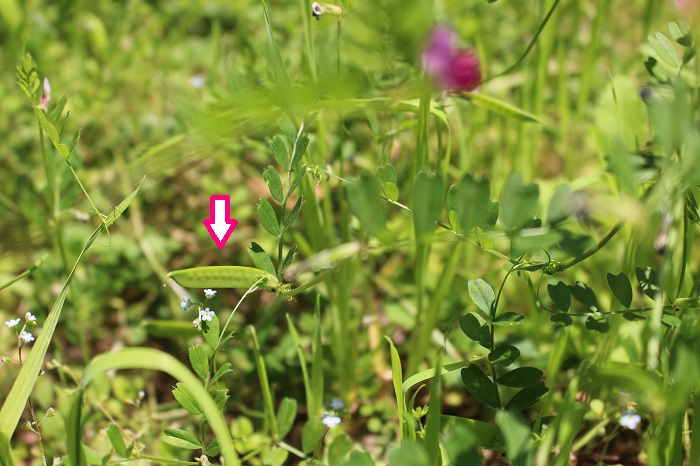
(224, 277)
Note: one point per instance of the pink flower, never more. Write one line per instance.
(452, 68)
(46, 98)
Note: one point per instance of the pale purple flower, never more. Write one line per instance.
(206, 315)
(12, 322)
(630, 419)
(46, 97)
(26, 336)
(452, 68)
(337, 404)
(330, 420)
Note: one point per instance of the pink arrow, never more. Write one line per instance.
(220, 224)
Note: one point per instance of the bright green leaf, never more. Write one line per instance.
(268, 218)
(199, 361)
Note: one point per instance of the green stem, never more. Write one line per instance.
(560, 267)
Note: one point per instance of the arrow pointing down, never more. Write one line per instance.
(220, 225)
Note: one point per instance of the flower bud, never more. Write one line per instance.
(46, 97)
(318, 9)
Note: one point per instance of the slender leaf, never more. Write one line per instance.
(117, 441)
(181, 438)
(272, 178)
(261, 259)
(199, 361)
(268, 217)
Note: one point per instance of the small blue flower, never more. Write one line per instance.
(206, 315)
(630, 419)
(30, 317)
(337, 404)
(209, 293)
(186, 303)
(12, 322)
(26, 336)
(330, 420)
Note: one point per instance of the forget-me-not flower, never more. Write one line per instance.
(12, 322)
(337, 404)
(630, 419)
(330, 420)
(30, 317)
(209, 293)
(206, 315)
(186, 303)
(26, 336)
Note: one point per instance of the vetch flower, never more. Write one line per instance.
(209, 293)
(318, 9)
(337, 404)
(30, 317)
(330, 420)
(12, 322)
(26, 336)
(630, 419)
(186, 303)
(452, 68)
(206, 315)
(46, 97)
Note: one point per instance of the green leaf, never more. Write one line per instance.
(289, 258)
(471, 201)
(483, 296)
(632, 317)
(390, 190)
(585, 295)
(664, 49)
(387, 174)
(560, 206)
(431, 440)
(480, 386)
(358, 458)
(503, 355)
(274, 57)
(488, 435)
(274, 456)
(648, 281)
(210, 331)
(289, 219)
(502, 108)
(290, 131)
(461, 446)
(279, 152)
(527, 397)
(300, 176)
(681, 33)
(575, 244)
(517, 436)
(521, 377)
(471, 326)
(397, 380)
(261, 259)
(533, 239)
(598, 323)
(199, 361)
(224, 276)
(220, 372)
(286, 413)
(299, 150)
(213, 449)
(186, 400)
(268, 218)
(221, 398)
(366, 204)
(181, 438)
(669, 320)
(621, 288)
(339, 448)
(311, 435)
(117, 441)
(409, 454)
(518, 201)
(272, 178)
(428, 199)
(562, 319)
(560, 296)
(508, 319)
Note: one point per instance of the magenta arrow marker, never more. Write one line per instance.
(220, 224)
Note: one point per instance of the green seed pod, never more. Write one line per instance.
(224, 277)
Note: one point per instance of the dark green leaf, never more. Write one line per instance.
(518, 201)
(299, 149)
(471, 327)
(268, 218)
(339, 448)
(681, 33)
(648, 281)
(292, 215)
(483, 296)
(575, 244)
(503, 355)
(261, 259)
(117, 441)
(428, 199)
(521, 377)
(279, 152)
(286, 413)
(272, 178)
(527, 397)
(655, 69)
(181, 438)
(508, 319)
(632, 317)
(621, 288)
(311, 434)
(461, 446)
(585, 295)
(598, 323)
(289, 258)
(199, 361)
(185, 398)
(480, 386)
(563, 319)
(486, 337)
(560, 296)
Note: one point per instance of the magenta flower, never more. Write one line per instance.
(452, 68)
